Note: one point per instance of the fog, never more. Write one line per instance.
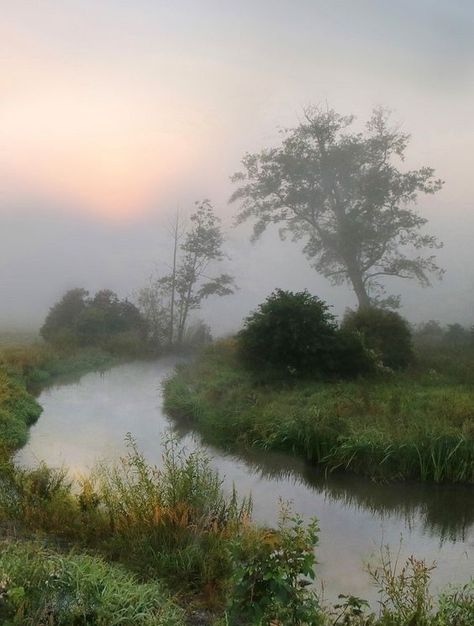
(112, 115)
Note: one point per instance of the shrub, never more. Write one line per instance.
(385, 332)
(291, 334)
(275, 568)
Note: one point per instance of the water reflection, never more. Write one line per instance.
(86, 421)
(445, 512)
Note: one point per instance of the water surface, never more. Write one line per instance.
(86, 421)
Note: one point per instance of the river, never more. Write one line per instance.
(86, 421)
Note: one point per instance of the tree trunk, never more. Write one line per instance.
(358, 286)
(355, 276)
(173, 280)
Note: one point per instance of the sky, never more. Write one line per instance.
(115, 113)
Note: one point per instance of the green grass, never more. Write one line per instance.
(38, 364)
(413, 425)
(42, 586)
(175, 523)
(24, 370)
(18, 410)
(112, 551)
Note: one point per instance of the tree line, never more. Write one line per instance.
(340, 192)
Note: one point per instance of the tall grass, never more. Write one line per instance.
(40, 586)
(398, 427)
(18, 410)
(174, 523)
(38, 364)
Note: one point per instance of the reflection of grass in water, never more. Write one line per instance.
(173, 524)
(444, 511)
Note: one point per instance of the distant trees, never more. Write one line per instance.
(432, 334)
(168, 301)
(102, 320)
(342, 193)
(61, 322)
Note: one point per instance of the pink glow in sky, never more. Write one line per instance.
(109, 108)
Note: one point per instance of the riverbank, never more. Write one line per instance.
(25, 369)
(175, 536)
(415, 425)
(135, 545)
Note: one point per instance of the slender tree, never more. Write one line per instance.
(168, 301)
(201, 248)
(342, 193)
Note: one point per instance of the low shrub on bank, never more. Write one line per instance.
(384, 332)
(294, 336)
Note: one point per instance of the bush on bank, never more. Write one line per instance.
(385, 332)
(294, 336)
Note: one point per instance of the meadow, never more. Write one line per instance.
(416, 424)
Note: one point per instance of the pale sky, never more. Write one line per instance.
(112, 113)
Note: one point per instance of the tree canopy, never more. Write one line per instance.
(342, 193)
(101, 320)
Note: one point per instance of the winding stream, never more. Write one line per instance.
(87, 420)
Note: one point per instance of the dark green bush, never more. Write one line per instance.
(293, 335)
(290, 334)
(385, 332)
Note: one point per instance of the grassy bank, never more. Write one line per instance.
(132, 544)
(25, 368)
(38, 364)
(413, 425)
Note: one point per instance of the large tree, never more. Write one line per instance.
(342, 193)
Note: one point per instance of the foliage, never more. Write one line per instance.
(177, 518)
(104, 320)
(385, 332)
(293, 335)
(60, 323)
(404, 591)
(38, 364)
(274, 571)
(169, 300)
(456, 605)
(342, 193)
(175, 523)
(40, 586)
(408, 425)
